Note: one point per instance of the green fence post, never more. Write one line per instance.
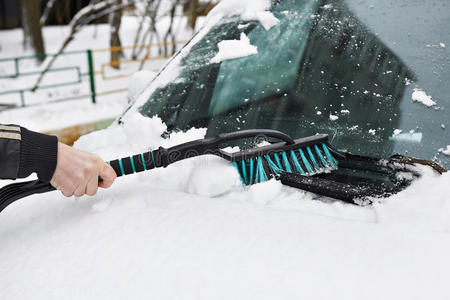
(91, 74)
(22, 98)
(16, 66)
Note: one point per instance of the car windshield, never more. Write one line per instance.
(348, 68)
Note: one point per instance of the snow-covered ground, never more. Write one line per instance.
(191, 231)
(41, 118)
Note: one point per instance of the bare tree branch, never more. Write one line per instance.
(99, 8)
(138, 32)
(46, 12)
(152, 13)
(152, 31)
(169, 30)
(84, 16)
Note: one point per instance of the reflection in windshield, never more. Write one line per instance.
(319, 70)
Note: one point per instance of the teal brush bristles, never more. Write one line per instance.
(308, 160)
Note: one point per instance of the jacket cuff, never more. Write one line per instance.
(38, 153)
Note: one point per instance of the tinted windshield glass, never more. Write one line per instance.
(346, 67)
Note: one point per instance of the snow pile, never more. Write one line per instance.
(425, 204)
(445, 151)
(230, 49)
(264, 193)
(266, 18)
(397, 131)
(211, 177)
(411, 136)
(247, 10)
(420, 96)
(333, 117)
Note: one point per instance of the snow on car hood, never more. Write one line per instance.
(156, 234)
(212, 176)
(191, 231)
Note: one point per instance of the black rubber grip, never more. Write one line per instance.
(140, 162)
(115, 165)
(148, 161)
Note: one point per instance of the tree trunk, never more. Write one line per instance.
(32, 34)
(115, 20)
(191, 10)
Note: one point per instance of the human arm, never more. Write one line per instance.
(72, 171)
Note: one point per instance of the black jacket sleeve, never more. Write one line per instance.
(23, 152)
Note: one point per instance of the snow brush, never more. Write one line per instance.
(309, 163)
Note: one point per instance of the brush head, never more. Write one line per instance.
(306, 156)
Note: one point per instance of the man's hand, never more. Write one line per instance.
(77, 172)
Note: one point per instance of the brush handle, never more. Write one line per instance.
(160, 157)
(139, 162)
(163, 157)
